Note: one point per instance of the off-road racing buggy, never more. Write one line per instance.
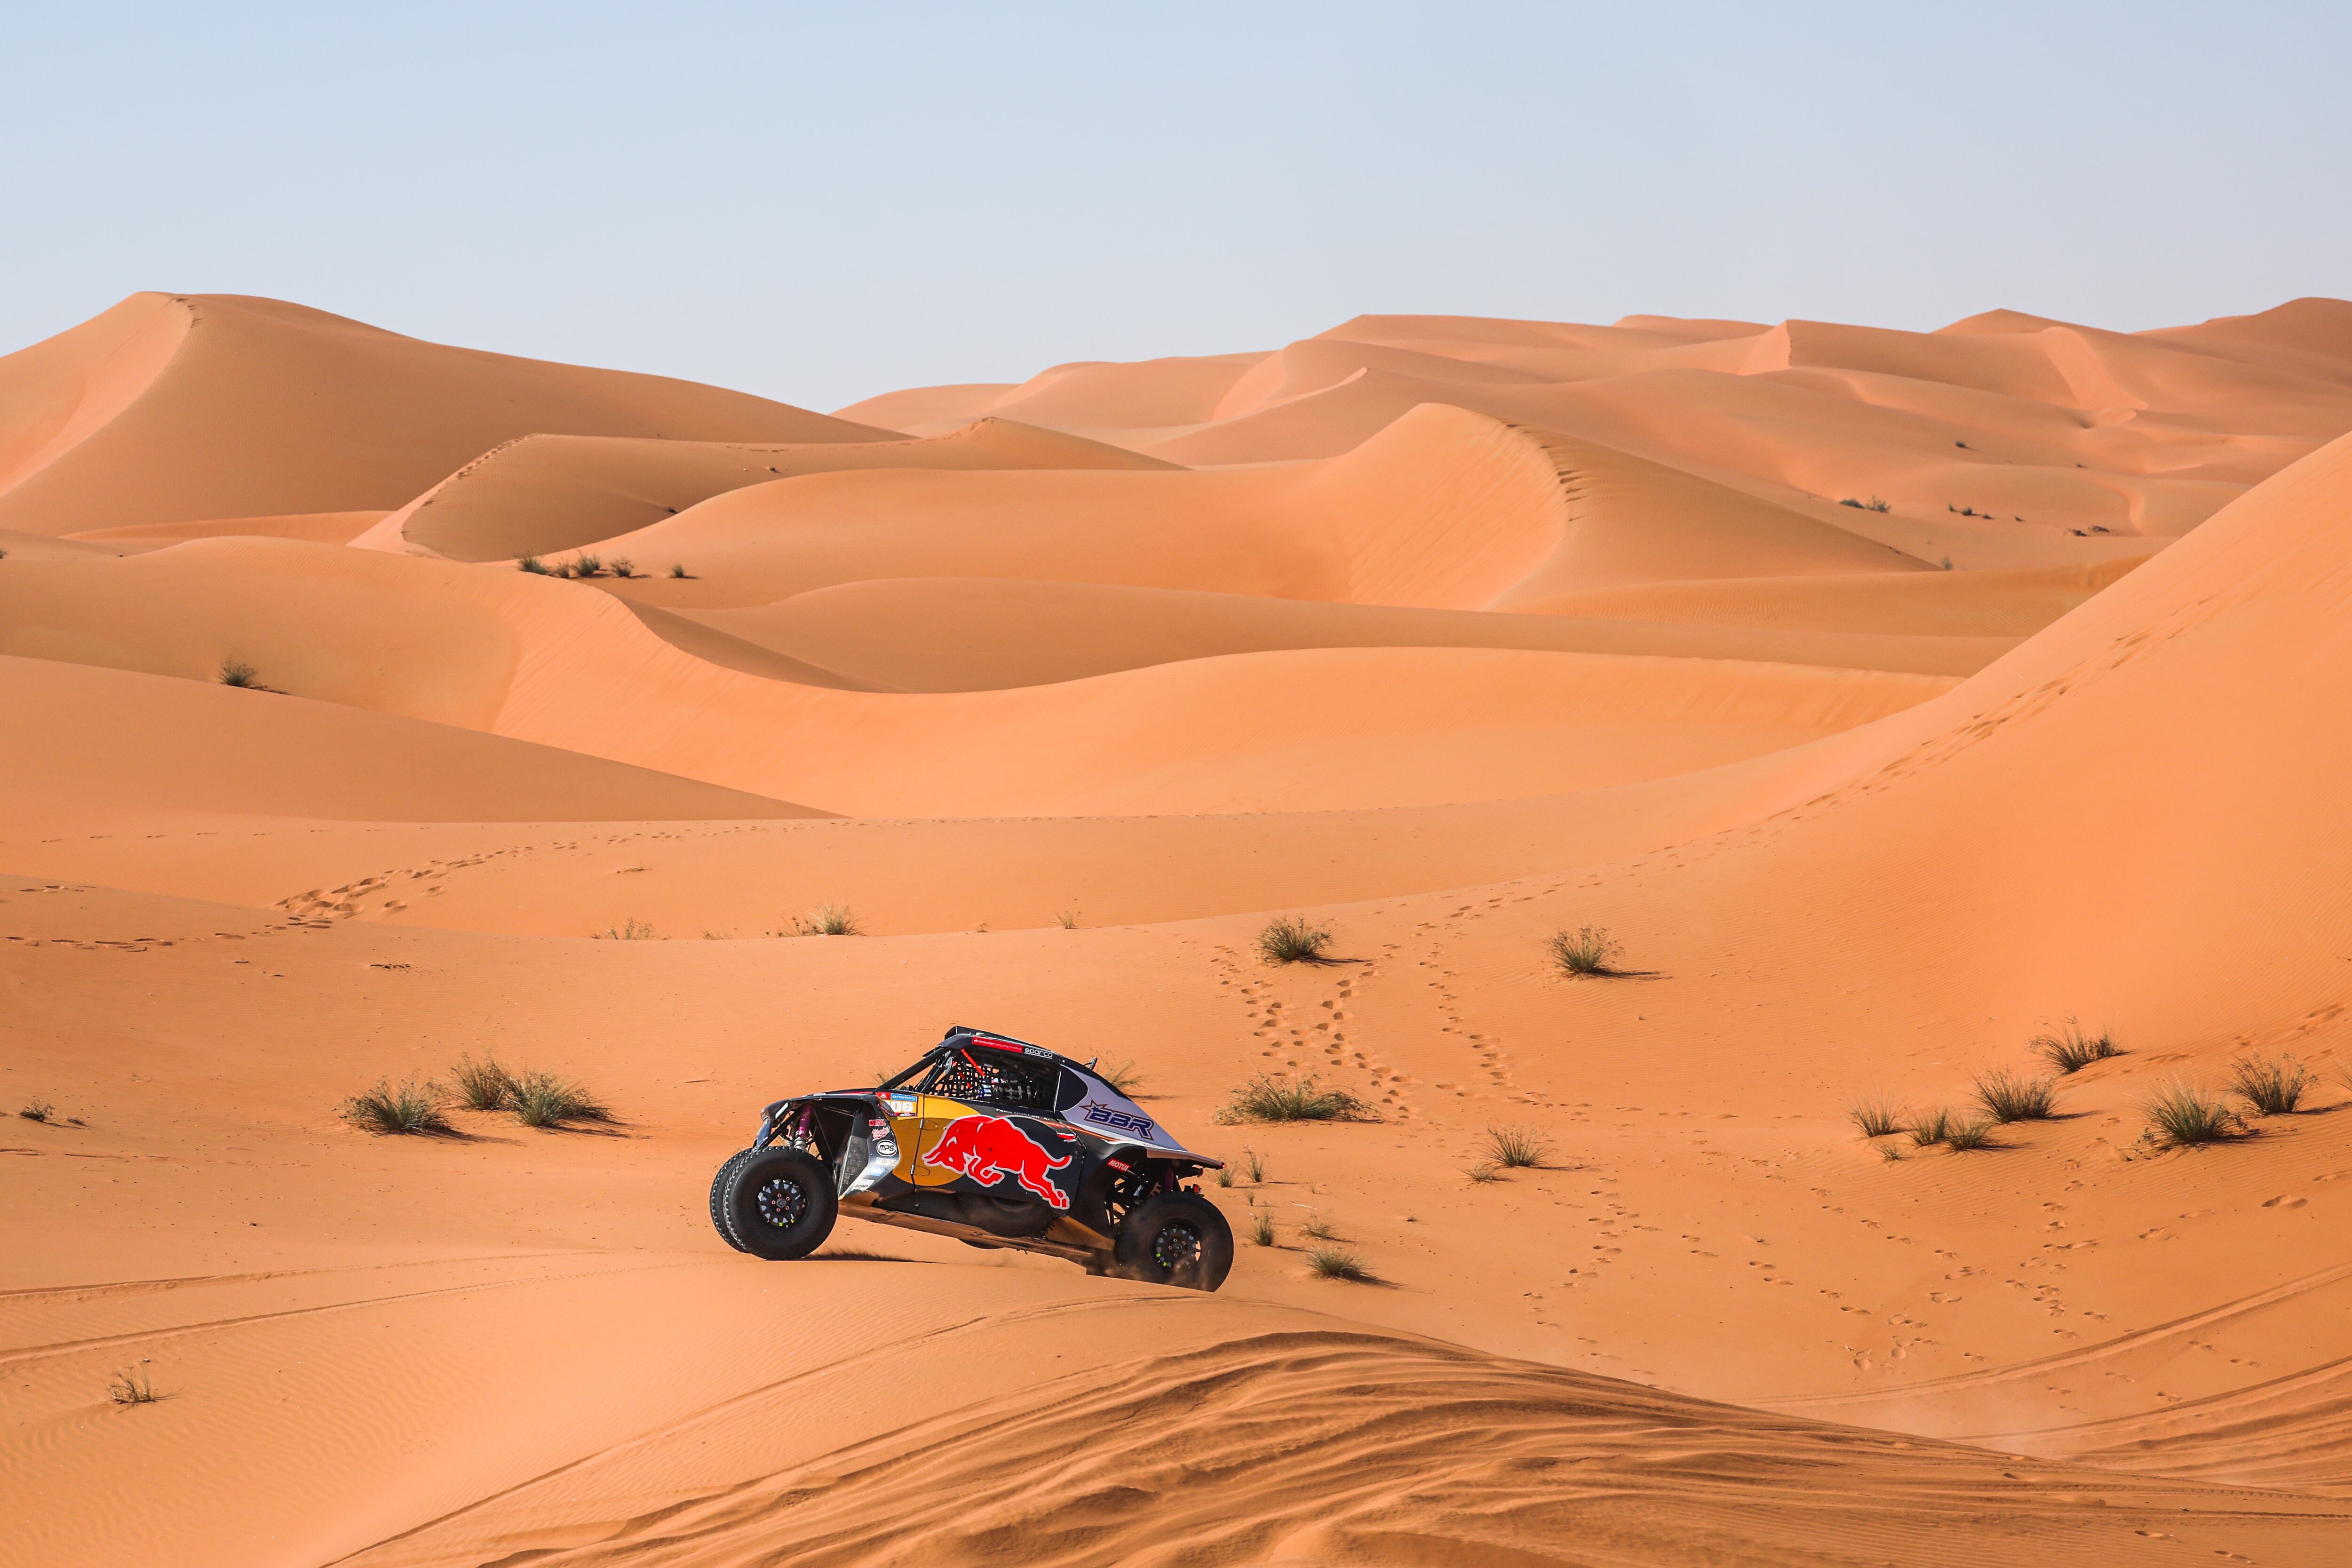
(990, 1140)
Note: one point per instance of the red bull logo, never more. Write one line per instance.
(990, 1148)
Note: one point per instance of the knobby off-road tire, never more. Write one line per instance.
(727, 1169)
(779, 1205)
(1176, 1239)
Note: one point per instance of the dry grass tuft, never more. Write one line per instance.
(827, 920)
(2273, 1086)
(543, 1099)
(2180, 1117)
(1875, 1118)
(623, 567)
(1066, 918)
(630, 930)
(37, 1110)
(1269, 1097)
(1338, 1263)
(1253, 1163)
(132, 1385)
(1588, 951)
(408, 1107)
(2009, 1097)
(1319, 1229)
(1261, 1229)
(1931, 1128)
(1964, 1135)
(1482, 1172)
(1121, 1076)
(1517, 1148)
(2071, 1051)
(483, 1085)
(535, 566)
(678, 569)
(1292, 939)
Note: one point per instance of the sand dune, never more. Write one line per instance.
(560, 664)
(542, 494)
(1460, 634)
(171, 407)
(971, 633)
(107, 747)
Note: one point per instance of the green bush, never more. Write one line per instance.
(1517, 1148)
(1292, 939)
(1272, 1098)
(2009, 1097)
(2178, 1117)
(1875, 1118)
(409, 1106)
(1337, 1263)
(1586, 951)
(2071, 1051)
(2274, 1087)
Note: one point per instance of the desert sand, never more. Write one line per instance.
(1891, 698)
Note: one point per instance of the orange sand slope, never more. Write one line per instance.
(541, 494)
(171, 407)
(1450, 635)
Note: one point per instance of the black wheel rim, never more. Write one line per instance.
(782, 1202)
(1178, 1246)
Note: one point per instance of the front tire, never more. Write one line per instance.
(780, 1205)
(1176, 1239)
(727, 1169)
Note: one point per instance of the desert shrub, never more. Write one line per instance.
(2070, 1050)
(2274, 1087)
(533, 564)
(1337, 1263)
(1484, 1171)
(237, 672)
(132, 1385)
(1292, 939)
(1931, 1127)
(1066, 918)
(1261, 1227)
(1969, 1135)
(1121, 1076)
(1875, 1118)
(543, 1099)
(1517, 1148)
(1254, 1164)
(1319, 1229)
(2011, 1097)
(678, 569)
(1944, 564)
(37, 1110)
(1224, 1175)
(1270, 1097)
(1890, 1153)
(1587, 950)
(621, 566)
(586, 566)
(1873, 504)
(483, 1085)
(2180, 1117)
(406, 1107)
(630, 930)
(827, 920)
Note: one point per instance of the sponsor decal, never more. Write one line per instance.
(990, 1148)
(1116, 1120)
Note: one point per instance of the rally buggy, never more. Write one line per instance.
(990, 1140)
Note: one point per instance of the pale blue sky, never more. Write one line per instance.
(818, 204)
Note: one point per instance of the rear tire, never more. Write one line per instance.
(1176, 1239)
(727, 1169)
(779, 1205)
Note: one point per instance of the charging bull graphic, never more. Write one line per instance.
(990, 1148)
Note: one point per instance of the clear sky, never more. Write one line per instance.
(818, 203)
